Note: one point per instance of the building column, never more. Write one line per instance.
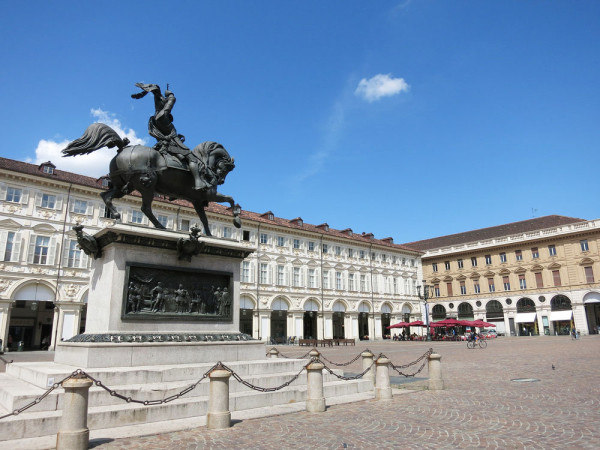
(320, 324)
(255, 319)
(69, 314)
(328, 334)
(265, 325)
(377, 332)
(5, 308)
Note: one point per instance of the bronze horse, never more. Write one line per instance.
(151, 172)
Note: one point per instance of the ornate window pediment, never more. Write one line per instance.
(504, 272)
(586, 262)
(554, 266)
(488, 274)
(520, 270)
(461, 277)
(537, 268)
(435, 280)
(447, 279)
(9, 224)
(475, 275)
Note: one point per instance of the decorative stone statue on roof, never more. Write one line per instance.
(169, 168)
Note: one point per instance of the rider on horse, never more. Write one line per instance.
(160, 126)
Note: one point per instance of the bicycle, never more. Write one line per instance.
(477, 342)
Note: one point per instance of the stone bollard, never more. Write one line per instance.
(314, 353)
(73, 433)
(367, 359)
(273, 353)
(315, 401)
(436, 382)
(383, 390)
(219, 416)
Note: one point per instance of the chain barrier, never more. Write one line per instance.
(342, 364)
(5, 361)
(408, 375)
(293, 357)
(341, 377)
(82, 374)
(258, 388)
(79, 373)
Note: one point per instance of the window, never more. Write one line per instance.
(245, 235)
(326, 279)
(264, 239)
(476, 286)
(338, 281)
(246, 271)
(280, 241)
(107, 214)
(436, 290)
(48, 201)
(227, 232)
(395, 285)
(311, 246)
(434, 267)
(460, 263)
(539, 281)
(584, 245)
(394, 259)
(297, 276)
(137, 217)
(280, 275)
(184, 225)
(164, 220)
(324, 248)
(412, 262)
(361, 254)
(41, 249)
(13, 195)
(351, 282)
(473, 262)
(312, 278)
(73, 256)
(503, 257)
(48, 169)
(338, 250)
(447, 265)
(383, 257)
(522, 282)
(363, 283)
(488, 259)
(350, 253)
(556, 277)
(506, 283)
(589, 274)
(264, 273)
(10, 245)
(296, 244)
(518, 255)
(551, 250)
(535, 253)
(463, 288)
(449, 288)
(491, 285)
(79, 207)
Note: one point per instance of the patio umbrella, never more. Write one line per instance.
(450, 322)
(482, 324)
(416, 323)
(398, 325)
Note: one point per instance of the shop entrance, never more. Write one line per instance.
(310, 325)
(385, 322)
(279, 321)
(338, 325)
(591, 302)
(363, 325)
(246, 311)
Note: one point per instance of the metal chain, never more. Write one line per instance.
(258, 388)
(425, 355)
(341, 377)
(16, 412)
(341, 364)
(294, 357)
(408, 375)
(114, 393)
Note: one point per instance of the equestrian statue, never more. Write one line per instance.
(169, 168)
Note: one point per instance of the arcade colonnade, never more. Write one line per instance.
(283, 319)
(32, 318)
(549, 314)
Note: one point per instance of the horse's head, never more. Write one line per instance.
(222, 167)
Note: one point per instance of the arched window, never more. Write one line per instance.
(438, 312)
(560, 303)
(525, 305)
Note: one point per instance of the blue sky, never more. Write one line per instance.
(410, 119)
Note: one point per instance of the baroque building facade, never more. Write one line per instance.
(539, 276)
(302, 281)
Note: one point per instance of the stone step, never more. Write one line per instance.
(42, 423)
(44, 374)
(16, 393)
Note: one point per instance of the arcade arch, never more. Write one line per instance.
(31, 317)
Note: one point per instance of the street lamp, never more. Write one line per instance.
(427, 294)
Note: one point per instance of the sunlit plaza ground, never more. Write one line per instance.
(481, 407)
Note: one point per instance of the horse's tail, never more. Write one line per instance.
(96, 136)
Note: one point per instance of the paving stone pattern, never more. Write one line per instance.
(480, 408)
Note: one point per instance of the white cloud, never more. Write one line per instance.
(380, 86)
(94, 164)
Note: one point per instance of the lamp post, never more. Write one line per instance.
(427, 294)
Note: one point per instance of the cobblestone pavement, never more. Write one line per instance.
(480, 408)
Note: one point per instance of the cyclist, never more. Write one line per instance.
(473, 336)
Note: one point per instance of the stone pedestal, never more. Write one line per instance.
(435, 372)
(140, 262)
(74, 433)
(315, 401)
(383, 390)
(219, 416)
